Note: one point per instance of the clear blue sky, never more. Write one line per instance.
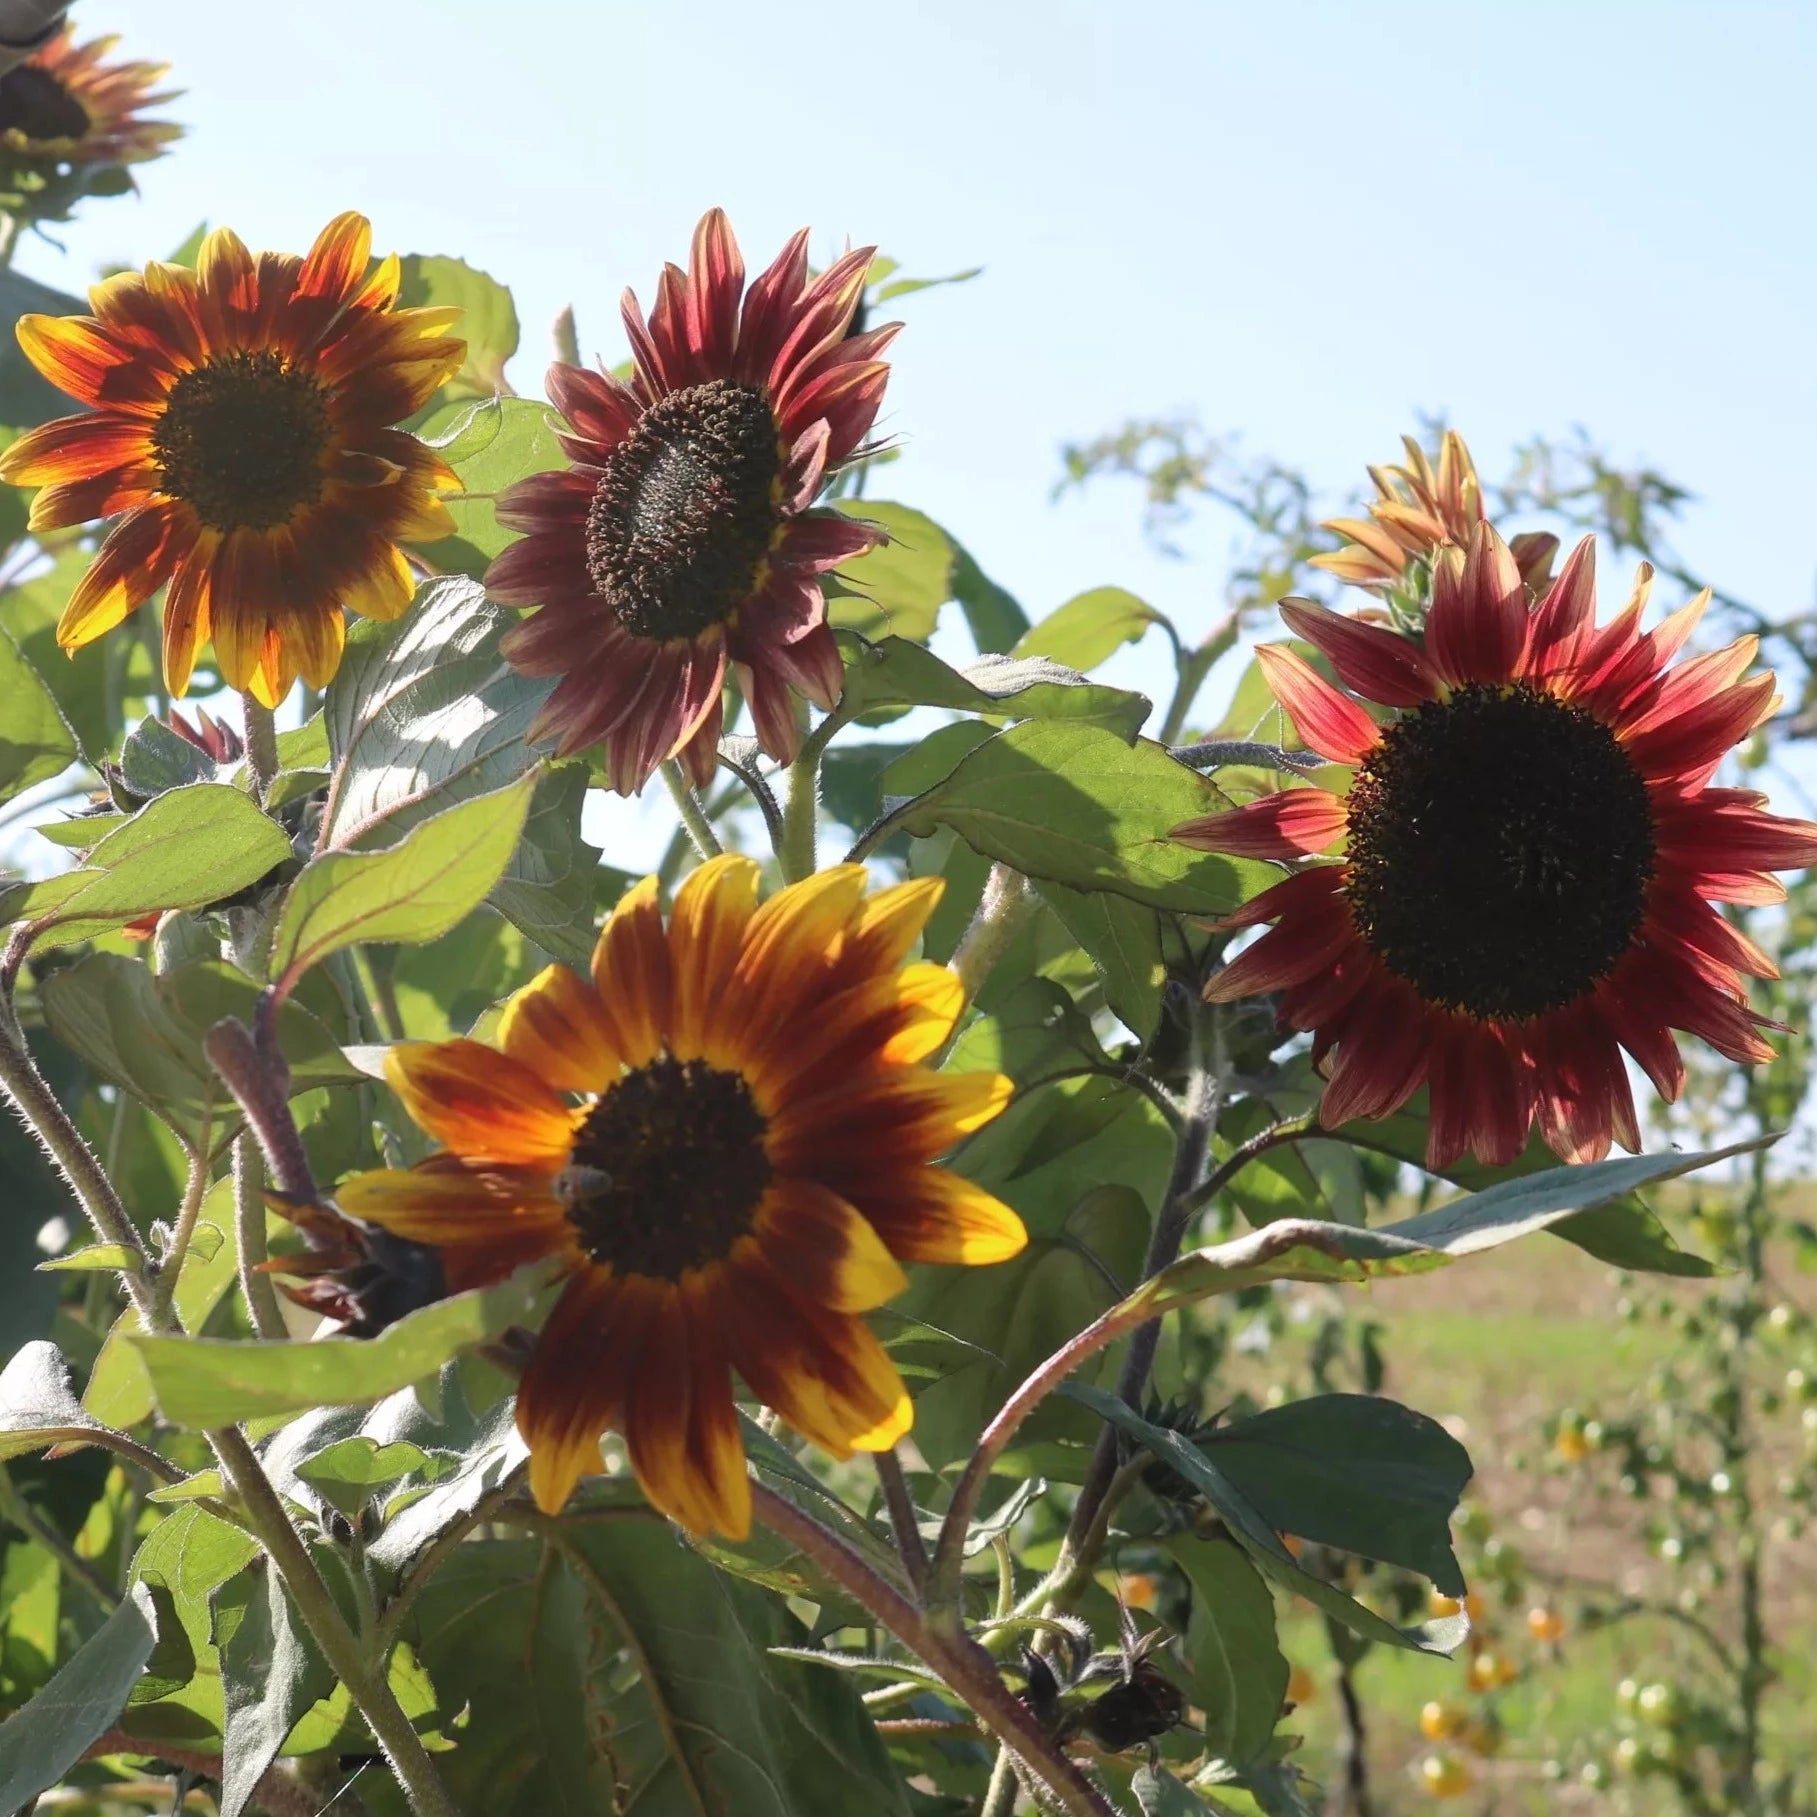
(1303, 221)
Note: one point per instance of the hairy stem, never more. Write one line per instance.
(194, 1191)
(687, 803)
(261, 746)
(901, 1507)
(257, 1076)
(249, 1233)
(1008, 902)
(798, 852)
(365, 1677)
(951, 1652)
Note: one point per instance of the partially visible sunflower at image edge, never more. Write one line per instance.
(726, 1138)
(66, 104)
(240, 427)
(1530, 850)
(681, 539)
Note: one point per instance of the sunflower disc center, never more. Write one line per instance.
(35, 103)
(242, 439)
(667, 1171)
(1500, 847)
(686, 511)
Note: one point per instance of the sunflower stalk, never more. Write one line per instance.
(1008, 903)
(693, 816)
(798, 851)
(261, 746)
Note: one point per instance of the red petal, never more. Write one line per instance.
(1330, 723)
(1287, 825)
(1379, 665)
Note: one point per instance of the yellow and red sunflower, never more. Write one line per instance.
(681, 538)
(240, 426)
(726, 1136)
(1530, 851)
(66, 104)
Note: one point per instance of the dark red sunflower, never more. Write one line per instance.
(66, 104)
(1531, 848)
(681, 538)
(726, 1138)
(240, 428)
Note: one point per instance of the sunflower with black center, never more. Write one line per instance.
(240, 427)
(726, 1136)
(682, 540)
(66, 109)
(1530, 853)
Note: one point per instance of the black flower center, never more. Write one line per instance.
(36, 103)
(1500, 847)
(686, 511)
(242, 438)
(667, 1170)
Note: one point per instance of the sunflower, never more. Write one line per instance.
(1531, 850)
(725, 1136)
(66, 105)
(1419, 509)
(239, 425)
(681, 539)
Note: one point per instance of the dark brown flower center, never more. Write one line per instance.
(668, 1169)
(242, 438)
(36, 103)
(686, 511)
(1500, 847)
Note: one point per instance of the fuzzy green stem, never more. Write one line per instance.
(901, 1506)
(1006, 907)
(195, 1189)
(1000, 1798)
(249, 1232)
(364, 1677)
(798, 852)
(261, 745)
(693, 817)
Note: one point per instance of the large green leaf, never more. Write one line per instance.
(491, 445)
(35, 739)
(616, 1670)
(1122, 938)
(1090, 627)
(38, 1405)
(1354, 1471)
(206, 1382)
(488, 321)
(1239, 1674)
(898, 673)
(185, 850)
(41, 1742)
(1073, 804)
(417, 890)
(548, 888)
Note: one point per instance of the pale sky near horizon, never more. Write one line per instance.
(1304, 222)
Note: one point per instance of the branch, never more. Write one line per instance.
(281, 1793)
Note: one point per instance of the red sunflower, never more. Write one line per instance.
(726, 1137)
(240, 427)
(681, 538)
(66, 104)
(1531, 848)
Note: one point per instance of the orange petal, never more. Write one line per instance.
(450, 1205)
(134, 562)
(930, 1214)
(186, 616)
(314, 637)
(631, 974)
(707, 926)
(481, 1104)
(555, 1027)
(384, 586)
(77, 447)
(79, 356)
(825, 1248)
(336, 263)
(891, 1120)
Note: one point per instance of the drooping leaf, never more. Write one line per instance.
(36, 741)
(410, 892)
(1074, 805)
(188, 848)
(898, 588)
(1090, 627)
(1239, 1674)
(41, 1742)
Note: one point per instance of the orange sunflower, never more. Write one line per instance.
(1419, 509)
(726, 1137)
(1531, 849)
(681, 538)
(240, 426)
(65, 104)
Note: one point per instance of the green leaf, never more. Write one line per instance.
(97, 1258)
(1626, 1233)
(1159, 1794)
(41, 1742)
(897, 673)
(899, 587)
(561, 1644)
(416, 890)
(1239, 1675)
(351, 1472)
(1123, 940)
(38, 1405)
(207, 991)
(488, 321)
(271, 1672)
(36, 742)
(548, 888)
(189, 848)
(1075, 805)
(992, 615)
(87, 683)
(1356, 1472)
(154, 759)
(491, 445)
(205, 1382)
(1090, 627)
(1257, 1538)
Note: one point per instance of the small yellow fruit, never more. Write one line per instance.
(1443, 1721)
(1571, 1445)
(1484, 1736)
(1444, 1776)
(1302, 1687)
(1545, 1625)
(1489, 1670)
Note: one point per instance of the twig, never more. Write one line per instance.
(687, 803)
(902, 1517)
